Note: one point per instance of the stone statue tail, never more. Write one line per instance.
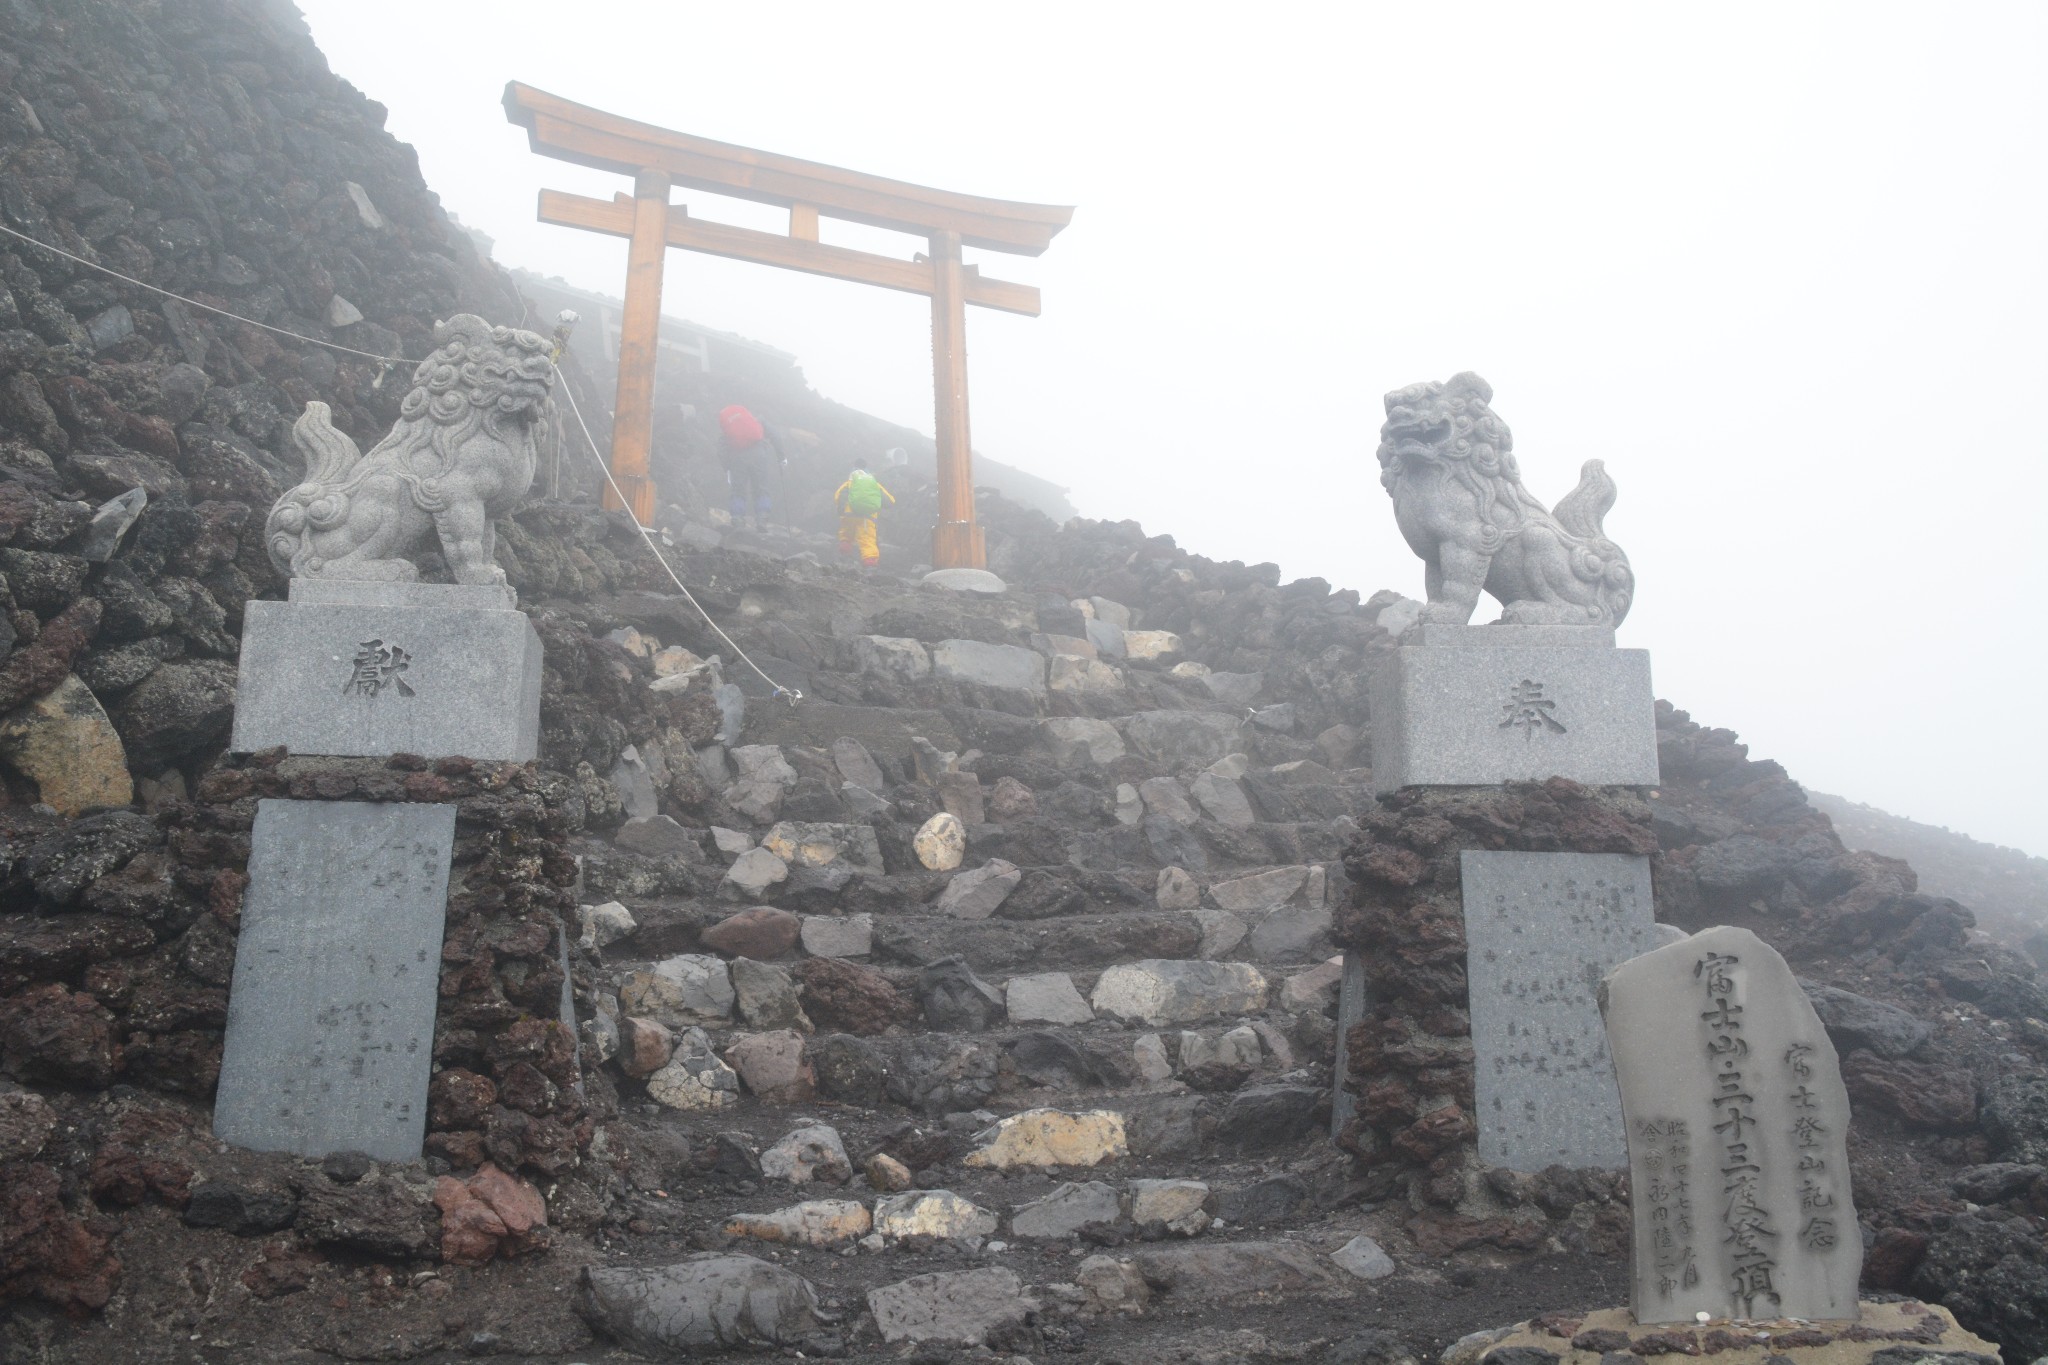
(320, 500)
(1585, 507)
(330, 454)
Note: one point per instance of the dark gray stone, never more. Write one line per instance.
(1271, 1200)
(1742, 864)
(243, 1208)
(1998, 1182)
(1520, 1355)
(1070, 1208)
(2014, 1116)
(957, 1001)
(110, 523)
(1056, 1059)
(330, 1028)
(346, 1168)
(1000, 666)
(1183, 739)
(1262, 1117)
(1542, 929)
(657, 836)
(1858, 1021)
(1223, 1272)
(704, 1306)
(955, 1308)
(383, 1215)
(849, 1069)
(1167, 1125)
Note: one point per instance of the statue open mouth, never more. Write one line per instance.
(1447, 462)
(462, 454)
(1412, 433)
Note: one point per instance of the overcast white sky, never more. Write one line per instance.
(1784, 267)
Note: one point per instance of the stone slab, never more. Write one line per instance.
(966, 580)
(1541, 930)
(1900, 1332)
(330, 1029)
(1472, 716)
(1737, 1136)
(1351, 1003)
(1438, 636)
(370, 593)
(973, 661)
(370, 669)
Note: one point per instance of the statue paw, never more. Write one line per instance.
(490, 576)
(1446, 614)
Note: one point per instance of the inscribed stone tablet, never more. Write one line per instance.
(1737, 1133)
(1470, 715)
(1541, 929)
(372, 669)
(330, 1034)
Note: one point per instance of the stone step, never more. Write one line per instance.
(957, 1218)
(1291, 934)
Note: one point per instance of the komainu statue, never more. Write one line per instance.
(1448, 463)
(462, 453)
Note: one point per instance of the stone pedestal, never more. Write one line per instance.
(1482, 705)
(330, 1031)
(370, 669)
(1541, 930)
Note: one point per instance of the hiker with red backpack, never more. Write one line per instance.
(752, 458)
(859, 499)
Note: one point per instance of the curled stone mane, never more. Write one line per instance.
(477, 376)
(1448, 462)
(462, 452)
(1475, 447)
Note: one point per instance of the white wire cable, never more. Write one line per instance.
(625, 502)
(604, 467)
(130, 279)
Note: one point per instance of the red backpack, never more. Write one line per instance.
(741, 427)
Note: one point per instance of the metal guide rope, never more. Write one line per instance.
(130, 279)
(779, 690)
(793, 694)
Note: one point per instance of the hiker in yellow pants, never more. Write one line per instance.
(858, 500)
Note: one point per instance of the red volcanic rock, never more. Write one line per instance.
(47, 1254)
(1922, 1093)
(761, 933)
(847, 998)
(491, 1213)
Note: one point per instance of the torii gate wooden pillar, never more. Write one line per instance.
(658, 158)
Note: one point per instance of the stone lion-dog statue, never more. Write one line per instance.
(462, 453)
(1448, 463)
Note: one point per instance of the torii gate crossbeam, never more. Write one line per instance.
(660, 158)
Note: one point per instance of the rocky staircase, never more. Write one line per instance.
(1001, 956)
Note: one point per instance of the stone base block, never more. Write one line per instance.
(1541, 930)
(1455, 712)
(330, 1033)
(1891, 1333)
(369, 669)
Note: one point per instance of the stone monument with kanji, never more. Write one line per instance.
(330, 1025)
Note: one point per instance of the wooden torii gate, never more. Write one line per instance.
(659, 158)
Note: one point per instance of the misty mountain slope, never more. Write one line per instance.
(2007, 888)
